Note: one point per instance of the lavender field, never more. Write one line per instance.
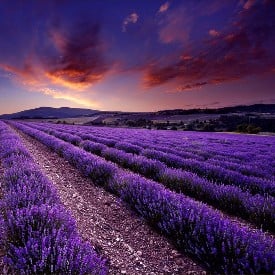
(212, 195)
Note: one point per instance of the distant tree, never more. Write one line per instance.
(248, 128)
(242, 127)
(141, 122)
(190, 126)
(130, 123)
(208, 128)
(253, 129)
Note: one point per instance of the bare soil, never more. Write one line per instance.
(129, 243)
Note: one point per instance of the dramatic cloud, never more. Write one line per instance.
(132, 18)
(78, 61)
(243, 49)
(164, 7)
(33, 79)
(71, 62)
(94, 53)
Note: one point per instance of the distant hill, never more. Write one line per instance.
(66, 112)
(49, 112)
(255, 108)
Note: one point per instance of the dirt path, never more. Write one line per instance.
(132, 246)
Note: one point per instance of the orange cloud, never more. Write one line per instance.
(26, 76)
(70, 97)
(37, 80)
(66, 79)
(77, 62)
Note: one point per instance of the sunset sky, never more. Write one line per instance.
(136, 55)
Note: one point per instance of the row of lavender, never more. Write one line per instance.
(256, 209)
(215, 159)
(222, 245)
(39, 236)
(238, 151)
(218, 171)
(213, 173)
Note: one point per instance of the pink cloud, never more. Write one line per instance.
(248, 4)
(175, 26)
(239, 51)
(213, 33)
(164, 7)
(211, 7)
(190, 87)
(132, 18)
(186, 57)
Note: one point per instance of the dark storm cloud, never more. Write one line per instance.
(243, 49)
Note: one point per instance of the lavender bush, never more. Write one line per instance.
(188, 161)
(39, 236)
(254, 208)
(224, 246)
